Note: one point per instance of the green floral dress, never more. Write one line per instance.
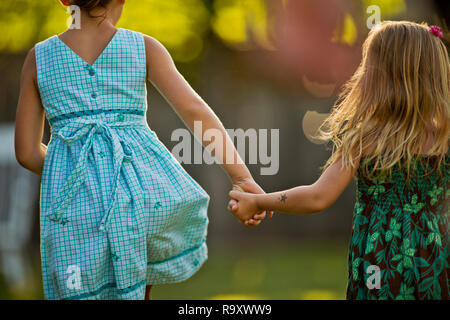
(400, 237)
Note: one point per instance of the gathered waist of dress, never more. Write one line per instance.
(112, 117)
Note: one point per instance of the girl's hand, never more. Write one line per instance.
(246, 207)
(248, 185)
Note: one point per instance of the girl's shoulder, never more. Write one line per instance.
(131, 41)
(45, 52)
(131, 34)
(46, 44)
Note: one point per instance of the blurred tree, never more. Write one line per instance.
(25, 22)
(242, 23)
(178, 24)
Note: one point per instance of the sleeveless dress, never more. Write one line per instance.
(117, 211)
(401, 232)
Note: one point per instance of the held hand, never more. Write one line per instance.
(246, 207)
(248, 185)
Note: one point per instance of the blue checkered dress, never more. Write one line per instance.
(117, 211)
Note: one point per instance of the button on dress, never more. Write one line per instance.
(117, 210)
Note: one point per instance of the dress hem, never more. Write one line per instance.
(188, 263)
(185, 265)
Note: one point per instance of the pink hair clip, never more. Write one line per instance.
(435, 30)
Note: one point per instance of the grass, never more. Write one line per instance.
(277, 271)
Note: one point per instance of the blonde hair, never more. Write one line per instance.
(397, 98)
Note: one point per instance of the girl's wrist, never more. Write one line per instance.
(241, 178)
(258, 199)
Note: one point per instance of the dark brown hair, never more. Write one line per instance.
(89, 5)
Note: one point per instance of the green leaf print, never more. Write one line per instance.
(426, 284)
(405, 256)
(376, 189)
(369, 248)
(397, 257)
(358, 208)
(372, 242)
(434, 235)
(421, 262)
(374, 236)
(437, 289)
(406, 293)
(413, 206)
(380, 256)
(355, 266)
(434, 194)
(384, 292)
(407, 262)
(388, 236)
(358, 218)
(438, 265)
(393, 231)
(408, 276)
(401, 228)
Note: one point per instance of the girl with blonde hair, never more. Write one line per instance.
(390, 127)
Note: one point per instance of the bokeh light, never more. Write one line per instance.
(312, 120)
(324, 55)
(346, 32)
(242, 23)
(388, 8)
(179, 24)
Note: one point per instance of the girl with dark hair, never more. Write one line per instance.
(118, 213)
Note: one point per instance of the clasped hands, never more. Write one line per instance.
(247, 213)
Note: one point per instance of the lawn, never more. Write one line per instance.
(275, 271)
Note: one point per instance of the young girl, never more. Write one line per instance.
(117, 213)
(391, 128)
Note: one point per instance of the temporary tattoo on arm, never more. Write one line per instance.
(283, 197)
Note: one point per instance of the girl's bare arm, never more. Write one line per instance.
(163, 74)
(299, 200)
(30, 116)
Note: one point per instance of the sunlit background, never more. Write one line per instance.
(259, 64)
